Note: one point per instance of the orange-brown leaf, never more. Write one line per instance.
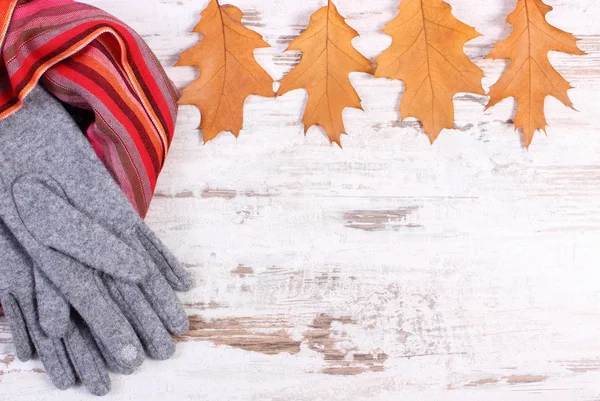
(427, 54)
(327, 60)
(530, 77)
(228, 71)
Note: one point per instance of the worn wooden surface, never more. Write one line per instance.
(391, 270)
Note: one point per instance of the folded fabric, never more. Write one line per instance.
(121, 96)
(89, 250)
(91, 60)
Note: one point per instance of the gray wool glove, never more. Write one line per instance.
(65, 359)
(89, 250)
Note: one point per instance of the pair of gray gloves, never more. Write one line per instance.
(84, 282)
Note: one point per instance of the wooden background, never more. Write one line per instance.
(391, 270)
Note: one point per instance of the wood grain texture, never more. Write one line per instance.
(393, 269)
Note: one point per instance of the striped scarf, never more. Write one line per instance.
(119, 93)
(106, 76)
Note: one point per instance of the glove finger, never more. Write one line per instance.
(88, 295)
(156, 339)
(16, 322)
(165, 303)
(53, 310)
(67, 230)
(111, 361)
(52, 352)
(172, 269)
(87, 361)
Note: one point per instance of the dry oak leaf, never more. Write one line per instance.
(530, 77)
(427, 54)
(327, 60)
(228, 71)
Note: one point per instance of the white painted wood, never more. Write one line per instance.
(466, 270)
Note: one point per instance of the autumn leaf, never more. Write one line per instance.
(327, 59)
(530, 77)
(427, 54)
(228, 71)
